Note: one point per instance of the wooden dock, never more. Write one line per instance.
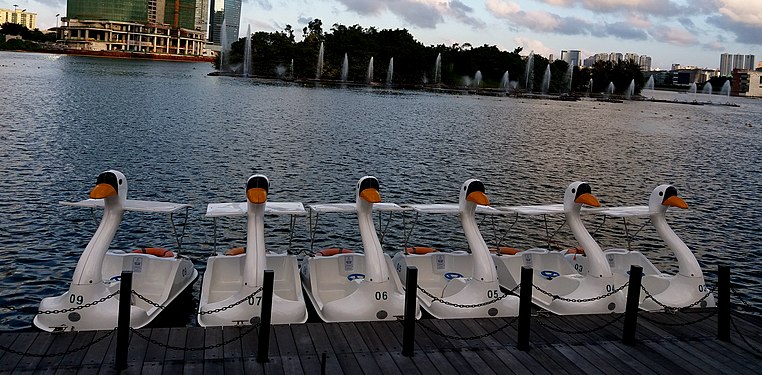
(683, 343)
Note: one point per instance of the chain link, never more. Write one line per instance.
(80, 307)
(49, 355)
(464, 306)
(751, 309)
(754, 351)
(580, 300)
(148, 301)
(240, 335)
(453, 337)
(234, 304)
(672, 309)
(553, 327)
(681, 324)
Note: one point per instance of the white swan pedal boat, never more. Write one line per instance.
(459, 284)
(348, 286)
(687, 287)
(230, 279)
(591, 289)
(91, 303)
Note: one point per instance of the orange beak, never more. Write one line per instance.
(371, 195)
(256, 195)
(102, 191)
(588, 199)
(478, 197)
(675, 201)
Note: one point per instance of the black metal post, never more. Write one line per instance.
(266, 317)
(525, 308)
(723, 303)
(633, 303)
(322, 363)
(411, 302)
(123, 320)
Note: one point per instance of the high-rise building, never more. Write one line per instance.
(730, 62)
(227, 12)
(573, 57)
(726, 64)
(20, 17)
(148, 26)
(615, 57)
(629, 56)
(202, 15)
(645, 63)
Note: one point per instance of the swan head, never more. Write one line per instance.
(257, 187)
(663, 197)
(577, 194)
(110, 185)
(472, 192)
(368, 190)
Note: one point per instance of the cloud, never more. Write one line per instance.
(742, 12)
(673, 35)
(304, 20)
(537, 20)
(264, 4)
(653, 7)
(421, 13)
(624, 30)
(530, 45)
(743, 33)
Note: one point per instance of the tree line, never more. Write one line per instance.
(275, 53)
(30, 39)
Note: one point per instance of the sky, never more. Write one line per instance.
(688, 32)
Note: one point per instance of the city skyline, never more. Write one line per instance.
(671, 31)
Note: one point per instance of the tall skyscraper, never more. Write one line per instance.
(202, 15)
(572, 56)
(729, 62)
(645, 63)
(228, 11)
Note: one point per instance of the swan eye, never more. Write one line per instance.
(120, 181)
(661, 193)
(574, 191)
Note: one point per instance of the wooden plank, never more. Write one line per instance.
(287, 350)
(477, 353)
(275, 363)
(137, 350)
(525, 365)
(231, 352)
(154, 352)
(193, 361)
(60, 344)
(302, 340)
(680, 366)
(367, 363)
(386, 340)
(213, 356)
(81, 340)
(336, 338)
(21, 343)
(40, 345)
(174, 359)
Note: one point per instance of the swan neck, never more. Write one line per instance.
(89, 268)
(598, 266)
(484, 266)
(256, 253)
(375, 264)
(687, 264)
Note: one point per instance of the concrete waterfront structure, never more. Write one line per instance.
(20, 17)
(162, 27)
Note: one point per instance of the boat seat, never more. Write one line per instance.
(420, 250)
(504, 250)
(333, 251)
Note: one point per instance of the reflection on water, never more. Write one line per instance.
(181, 136)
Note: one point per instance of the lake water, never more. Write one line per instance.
(180, 135)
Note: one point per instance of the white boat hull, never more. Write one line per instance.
(223, 286)
(151, 275)
(447, 276)
(339, 292)
(553, 274)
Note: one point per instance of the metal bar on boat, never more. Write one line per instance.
(525, 308)
(633, 302)
(123, 320)
(411, 302)
(263, 346)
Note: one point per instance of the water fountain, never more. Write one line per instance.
(223, 46)
(319, 69)
(292, 68)
(630, 90)
(345, 68)
(247, 53)
(590, 88)
(390, 72)
(504, 82)
(648, 89)
(369, 77)
(725, 90)
(692, 92)
(467, 81)
(529, 72)
(438, 70)
(478, 79)
(545, 81)
(707, 88)
(568, 78)
(610, 89)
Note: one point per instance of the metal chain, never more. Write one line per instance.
(48, 355)
(754, 351)
(580, 300)
(232, 304)
(553, 327)
(681, 324)
(463, 306)
(672, 309)
(240, 335)
(148, 301)
(80, 307)
(749, 307)
(490, 333)
(11, 308)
